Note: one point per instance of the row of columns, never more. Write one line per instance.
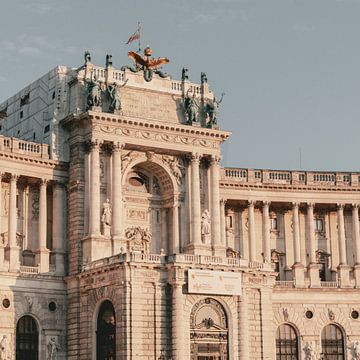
(296, 232)
(42, 254)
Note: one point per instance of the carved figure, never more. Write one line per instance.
(212, 110)
(309, 351)
(191, 107)
(147, 63)
(3, 348)
(53, 348)
(356, 350)
(205, 223)
(203, 78)
(106, 215)
(184, 74)
(331, 315)
(138, 238)
(93, 93)
(174, 166)
(87, 57)
(114, 96)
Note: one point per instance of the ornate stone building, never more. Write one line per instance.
(122, 237)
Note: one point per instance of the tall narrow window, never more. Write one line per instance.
(27, 339)
(286, 343)
(106, 332)
(332, 343)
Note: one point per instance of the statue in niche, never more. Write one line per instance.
(309, 351)
(212, 111)
(3, 348)
(93, 93)
(205, 225)
(106, 218)
(191, 107)
(53, 348)
(113, 92)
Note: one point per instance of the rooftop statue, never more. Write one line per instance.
(212, 111)
(93, 93)
(147, 64)
(113, 92)
(184, 74)
(87, 57)
(191, 107)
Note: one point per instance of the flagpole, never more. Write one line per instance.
(139, 35)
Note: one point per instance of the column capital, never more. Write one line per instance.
(310, 205)
(266, 203)
(340, 206)
(92, 145)
(215, 160)
(14, 177)
(355, 205)
(223, 201)
(43, 181)
(295, 205)
(195, 157)
(117, 146)
(251, 202)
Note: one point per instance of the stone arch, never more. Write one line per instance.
(209, 329)
(27, 338)
(287, 340)
(154, 164)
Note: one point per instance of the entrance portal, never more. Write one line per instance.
(208, 331)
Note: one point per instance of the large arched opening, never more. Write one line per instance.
(209, 333)
(27, 339)
(106, 332)
(332, 343)
(287, 343)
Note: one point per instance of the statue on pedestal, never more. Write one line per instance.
(93, 93)
(205, 226)
(113, 92)
(106, 218)
(191, 107)
(53, 348)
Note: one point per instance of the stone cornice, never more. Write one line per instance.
(156, 131)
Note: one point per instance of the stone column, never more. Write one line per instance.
(298, 267)
(223, 222)
(42, 258)
(175, 227)
(2, 252)
(343, 268)
(356, 242)
(215, 203)
(313, 268)
(195, 200)
(178, 338)
(12, 226)
(94, 223)
(116, 200)
(266, 232)
(59, 226)
(243, 325)
(252, 237)
(164, 230)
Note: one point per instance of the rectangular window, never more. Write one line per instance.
(274, 223)
(25, 100)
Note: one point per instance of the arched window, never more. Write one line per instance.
(332, 343)
(27, 339)
(286, 343)
(208, 331)
(106, 332)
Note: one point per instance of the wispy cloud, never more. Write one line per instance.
(43, 7)
(302, 28)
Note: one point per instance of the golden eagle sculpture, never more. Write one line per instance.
(147, 64)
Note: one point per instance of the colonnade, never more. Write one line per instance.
(42, 253)
(343, 266)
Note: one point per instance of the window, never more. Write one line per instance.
(21, 114)
(106, 332)
(286, 343)
(27, 339)
(25, 100)
(46, 129)
(332, 343)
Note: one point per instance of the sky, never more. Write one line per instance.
(290, 68)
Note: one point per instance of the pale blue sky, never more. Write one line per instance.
(290, 68)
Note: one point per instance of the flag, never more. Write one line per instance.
(134, 36)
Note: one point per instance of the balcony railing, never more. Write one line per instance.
(17, 146)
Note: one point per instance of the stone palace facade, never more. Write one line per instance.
(122, 237)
